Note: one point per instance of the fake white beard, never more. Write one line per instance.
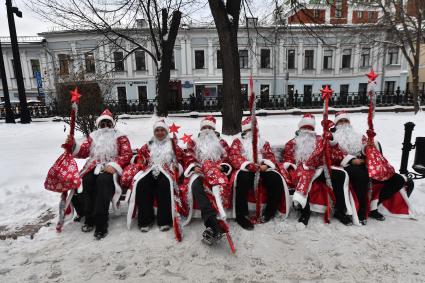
(104, 145)
(247, 146)
(208, 146)
(305, 144)
(161, 152)
(348, 139)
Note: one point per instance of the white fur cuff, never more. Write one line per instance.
(269, 163)
(189, 170)
(346, 160)
(116, 167)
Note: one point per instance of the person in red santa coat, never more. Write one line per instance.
(206, 179)
(303, 158)
(108, 152)
(242, 161)
(353, 143)
(153, 175)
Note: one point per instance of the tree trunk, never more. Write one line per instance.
(415, 88)
(163, 74)
(228, 36)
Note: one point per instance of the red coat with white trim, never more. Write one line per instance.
(213, 178)
(240, 156)
(118, 162)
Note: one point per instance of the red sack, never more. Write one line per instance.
(63, 175)
(379, 168)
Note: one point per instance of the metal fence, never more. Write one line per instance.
(214, 104)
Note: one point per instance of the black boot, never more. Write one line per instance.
(376, 215)
(343, 218)
(305, 215)
(244, 222)
(213, 233)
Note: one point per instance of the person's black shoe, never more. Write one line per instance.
(98, 235)
(78, 218)
(265, 218)
(245, 223)
(376, 215)
(87, 228)
(343, 218)
(363, 221)
(211, 237)
(304, 218)
(212, 222)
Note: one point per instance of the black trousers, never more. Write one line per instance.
(98, 191)
(204, 204)
(79, 203)
(337, 179)
(273, 184)
(391, 186)
(359, 179)
(148, 189)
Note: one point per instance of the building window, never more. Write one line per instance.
(35, 66)
(140, 60)
(143, 93)
(389, 87)
(199, 59)
(309, 59)
(359, 14)
(265, 91)
(243, 59)
(365, 58)
(343, 89)
(119, 61)
(63, 64)
(338, 8)
(90, 64)
(219, 60)
(291, 59)
(316, 14)
(371, 15)
(122, 94)
(173, 62)
(346, 58)
(393, 56)
(362, 88)
(327, 60)
(265, 58)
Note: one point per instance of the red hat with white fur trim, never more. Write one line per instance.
(307, 120)
(341, 115)
(160, 123)
(208, 121)
(246, 123)
(106, 115)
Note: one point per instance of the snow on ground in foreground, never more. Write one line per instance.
(391, 251)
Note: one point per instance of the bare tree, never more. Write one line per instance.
(120, 23)
(226, 18)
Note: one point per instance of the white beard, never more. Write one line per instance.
(161, 152)
(104, 145)
(305, 143)
(348, 139)
(247, 147)
(208, 146)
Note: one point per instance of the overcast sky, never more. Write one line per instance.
(31, 23)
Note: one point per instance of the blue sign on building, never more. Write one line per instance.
(39, 81)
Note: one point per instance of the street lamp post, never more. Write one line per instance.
(25, 114)
(10, 117)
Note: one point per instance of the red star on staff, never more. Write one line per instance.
(326, 92)
(75, 95)
(371, 76)
(174, 129)
(186, 138)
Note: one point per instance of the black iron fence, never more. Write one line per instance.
(214, 104)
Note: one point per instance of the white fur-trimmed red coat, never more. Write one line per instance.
(119, 162)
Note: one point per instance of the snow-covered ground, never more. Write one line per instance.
(390, 251)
